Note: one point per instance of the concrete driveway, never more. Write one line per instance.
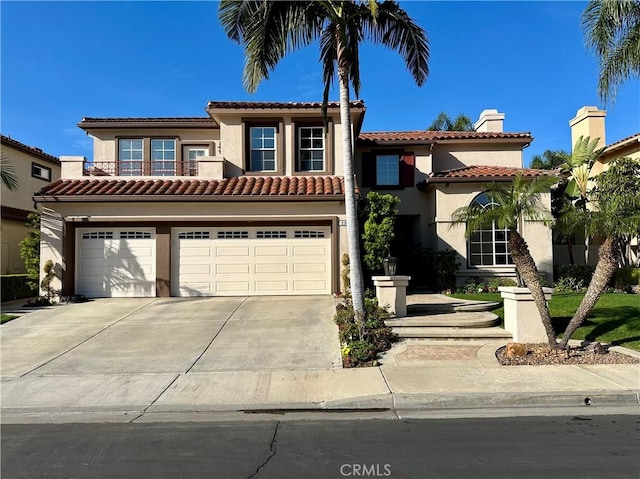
(173, 335)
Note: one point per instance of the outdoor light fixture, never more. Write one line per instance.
(389, 264)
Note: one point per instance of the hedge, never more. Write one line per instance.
(14, 286)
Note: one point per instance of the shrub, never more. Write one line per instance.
(427, 268)
(626, 278)
(380, 212)
(16, 286)
(494, 283)
(471, 286)
(578, 272)
(360, 346)
(568, 284)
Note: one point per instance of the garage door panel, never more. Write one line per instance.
(115, 267)
(250, 260)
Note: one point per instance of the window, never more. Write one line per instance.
(98, 235)
(387, 170)
(308, 234)
(130, 157)
(135, 235)
(163, 157)
(192, 159)
(39, 171)
(271, 234)
(311, 148)
(488, 247)
(194, 235)
(262, 148)
(233, 234)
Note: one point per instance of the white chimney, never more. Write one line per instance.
(490, 120)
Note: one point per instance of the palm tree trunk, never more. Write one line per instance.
(607, 265)
(351, 207)
(529, 272)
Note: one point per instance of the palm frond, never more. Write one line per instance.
(8, 175)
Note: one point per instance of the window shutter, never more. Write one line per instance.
(368, 169)
(407, 166)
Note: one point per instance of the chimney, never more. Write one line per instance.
(589, 121)
(490, 120)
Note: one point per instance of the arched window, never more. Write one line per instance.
(488, 247)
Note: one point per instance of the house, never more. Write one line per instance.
(590, 122)
(249, 200)
(33, 168)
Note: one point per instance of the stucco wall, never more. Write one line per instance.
(447, 156)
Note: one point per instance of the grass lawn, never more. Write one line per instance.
(6, 318)
(615, 319)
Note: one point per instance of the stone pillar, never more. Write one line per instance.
(391, 291)
(72, 166)
(521, 316)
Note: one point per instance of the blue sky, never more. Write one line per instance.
(65, 60)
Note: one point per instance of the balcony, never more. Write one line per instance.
(139, 168)
(210, 167)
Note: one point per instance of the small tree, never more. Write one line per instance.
(550, 159)
(50, 274)
(380, 212)
(30, 250)
(519, 200)
(616, 214)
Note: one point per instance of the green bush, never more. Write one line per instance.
(429, 269)
(627, 280)
(578, 272)
(362, 343)
(569, 284)
(494, 283)
(16, 286)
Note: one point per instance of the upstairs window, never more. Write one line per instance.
(488, 246)
(387, 170)
(311, 148)
(262, 156)
(41, 172)
(163, 157)
(390, 169)
(130, 154)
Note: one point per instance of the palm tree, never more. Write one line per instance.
(550, 159)
(612, 31)
(443, 122)
(511, 203)
(615, 214)
(7, 174)
(268, 31)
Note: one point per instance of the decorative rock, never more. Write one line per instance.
(515, 350)
(596, 348)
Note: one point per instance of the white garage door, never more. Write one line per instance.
(116, 262)
(251, 261)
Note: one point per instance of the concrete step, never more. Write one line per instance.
(453, 334)
(453, 307)
(458, 320)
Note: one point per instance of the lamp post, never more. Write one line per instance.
(389, 264)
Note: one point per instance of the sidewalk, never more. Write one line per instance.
(414, 376)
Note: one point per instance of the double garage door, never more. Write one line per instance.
(217, 261)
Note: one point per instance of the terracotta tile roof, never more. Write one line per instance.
(190, 121)
(237, 188)
(10, 213)
(30, 150)
(425, 136)
(483, 173)
(632, 142)
(251, 105)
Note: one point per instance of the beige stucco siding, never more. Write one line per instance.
(451, 156)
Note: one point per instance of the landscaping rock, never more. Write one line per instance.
(514, 350)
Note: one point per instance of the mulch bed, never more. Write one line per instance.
(540, 355)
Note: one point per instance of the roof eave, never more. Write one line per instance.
(180, 198)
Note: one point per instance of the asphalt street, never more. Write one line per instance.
(524, 447)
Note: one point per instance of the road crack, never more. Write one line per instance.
(272, 450)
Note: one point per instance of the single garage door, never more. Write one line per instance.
(116, 262)
(251, 261)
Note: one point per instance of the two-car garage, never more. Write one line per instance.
(205, 261)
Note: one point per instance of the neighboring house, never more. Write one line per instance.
(34, 169)
(249, 200)
(590, 121)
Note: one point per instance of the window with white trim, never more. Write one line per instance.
(163, 157)
(135, 235)
(262, 148)
(387, 170)
(270, 234)
(233, 234)
(489, 246)
(308, 234)
(194, 235)
(311, 148)
(98, 235)
(41, 172)
(130, 153)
